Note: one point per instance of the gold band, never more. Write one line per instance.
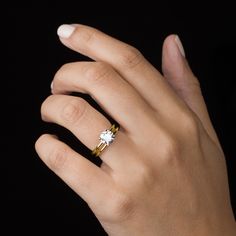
(106, 138)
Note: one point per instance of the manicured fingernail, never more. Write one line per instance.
(180, 45)
(51, 86)
(65, 31)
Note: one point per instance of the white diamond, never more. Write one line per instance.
(107, 137)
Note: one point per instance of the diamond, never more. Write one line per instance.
(107, 137)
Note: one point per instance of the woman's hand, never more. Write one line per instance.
(165, 172)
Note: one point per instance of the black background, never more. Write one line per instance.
(35, 196)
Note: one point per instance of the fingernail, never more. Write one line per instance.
(65, 31)
(180, 45)
(51, 86)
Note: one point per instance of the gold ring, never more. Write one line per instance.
(106, 138)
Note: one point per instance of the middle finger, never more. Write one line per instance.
(108, 88)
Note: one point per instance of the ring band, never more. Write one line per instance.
(106, 138)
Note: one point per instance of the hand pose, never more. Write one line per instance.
(164, 174)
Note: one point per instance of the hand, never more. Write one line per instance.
(165, 173)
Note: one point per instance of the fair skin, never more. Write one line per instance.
(165, 173)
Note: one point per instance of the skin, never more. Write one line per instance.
(165, 173)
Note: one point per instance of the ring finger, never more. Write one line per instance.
(86, 123)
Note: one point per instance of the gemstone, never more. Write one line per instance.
(107, 137)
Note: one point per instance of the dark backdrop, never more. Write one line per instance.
(35, 196)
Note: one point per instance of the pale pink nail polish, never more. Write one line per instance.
(51, 86)
(180, 45)
(65, 31)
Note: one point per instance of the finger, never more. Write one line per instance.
(178, 73)
(86, 123)
(85, 178)
(113, 93)
(127, 60)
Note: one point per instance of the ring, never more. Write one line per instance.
(106, 138)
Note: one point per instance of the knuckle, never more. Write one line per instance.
(190, 124)
(74, 110)
(121, 207)
(131, 57)
(171, 149)
(146, 176)
(173, 144)
(98, 73)
(57, 158)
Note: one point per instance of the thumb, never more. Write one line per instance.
(181, 78)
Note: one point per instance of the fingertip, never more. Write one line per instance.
(168, 40)
(173, 46)
(43, 140)
(174, 62)
(65, 31)
(179, 45)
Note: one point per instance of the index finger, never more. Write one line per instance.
(127, 60)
